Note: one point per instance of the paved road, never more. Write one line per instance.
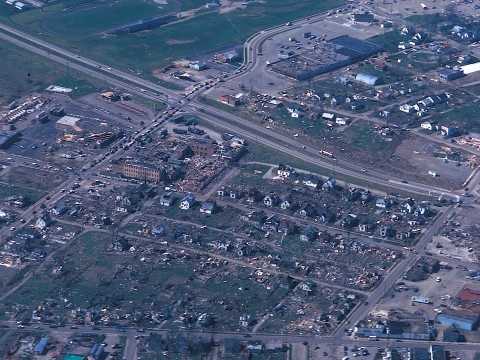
(228, 121)
(219, 336)
(396, 273)
(231, 260)
(254, 132)
(296, 149)
(371, 240)
(130, 352)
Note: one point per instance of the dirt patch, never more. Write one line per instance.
(416, 155)
(442, 245)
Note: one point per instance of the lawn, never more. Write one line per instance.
(313, 127)
(31, 196)
(465, 117)
(388, 40)
(475, 89)
(43, 180)
(92, 277)
(364, 137)
(82, 28)
(22, 72)
(431, 22)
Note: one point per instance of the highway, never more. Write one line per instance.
(213, 115)
(252, 132)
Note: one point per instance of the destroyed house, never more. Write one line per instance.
(187, 202)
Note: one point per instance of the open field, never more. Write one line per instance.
(465, 117)
(42, 181)
(81, 27)
(31, 195)
(22, 72)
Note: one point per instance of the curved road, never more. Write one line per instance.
(213, 115)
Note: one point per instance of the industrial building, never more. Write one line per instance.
(467, 322)
(68, 123)
(367, 79)
(145, 24)
(365, 17)
(325, 57)
(142, 171)
(450, 74)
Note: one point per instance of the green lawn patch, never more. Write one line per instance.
(466, 117)
(31, 196)
(22, 72)
(83, 28)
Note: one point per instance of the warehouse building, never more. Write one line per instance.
(367, 79)
(69, 123)
(332, 55)
(467, 322)
(450, 74)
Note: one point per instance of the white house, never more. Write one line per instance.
(406, 108)
(208, 207)
(328, 116)
(427, 125)
(187, 202)
(341, 121)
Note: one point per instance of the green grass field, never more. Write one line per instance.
(464, 117)
(31, 196)
(82, 28)
(388, 40)
(363, 137)
(22, 72)
(94, 277)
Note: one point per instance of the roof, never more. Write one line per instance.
(41, 345)
(364, 17)
(471, 68)
(467, 294)
(360, 47)
(73, 357)
(367, 78)
(58, 89)
(470, 318)
(70, 121)
(208, 205)
(448, 71)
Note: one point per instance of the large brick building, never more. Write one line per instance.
(142, 171)
(203, 147)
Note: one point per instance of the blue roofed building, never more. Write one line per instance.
(419, 354)
(41, 347)
(437, 352)
(467, 322)
(97, 351)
